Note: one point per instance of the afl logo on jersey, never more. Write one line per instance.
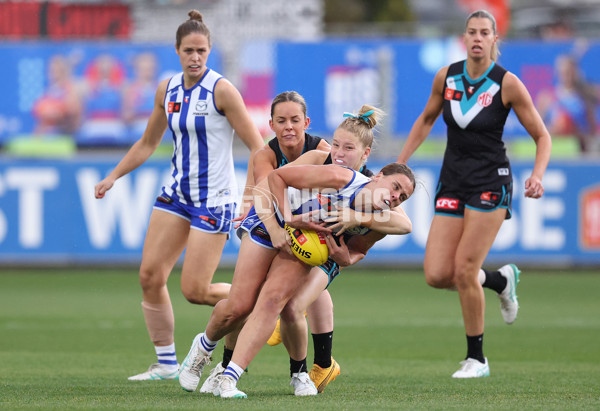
(452, 94)
(485, 99)
(173, 107)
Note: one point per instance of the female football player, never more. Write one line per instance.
(474, 191)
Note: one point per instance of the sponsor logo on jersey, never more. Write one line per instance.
(261, 233)
(485, 99)
(447, 203)
(186, 99)
(174, 107)
(488, 198)
(211, 222)
(503, 172)
(201, 108)
(465, 110)
(224, 192)
(164, 199)
(201, 105)
(452, 94)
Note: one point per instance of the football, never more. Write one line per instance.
(309, 246)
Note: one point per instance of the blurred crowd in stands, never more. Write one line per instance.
(108, 102)
(106, 106)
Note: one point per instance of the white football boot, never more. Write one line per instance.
(471, 368)
(303, 385)
(509, 305)
(211, 384)
(227, 388)
(191, 368)
(157, 372)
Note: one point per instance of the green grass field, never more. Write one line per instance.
(70, 338)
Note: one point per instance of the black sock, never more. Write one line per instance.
(322, 347)
(495, 281)
(297, 366)
(475, 348)
(227, 354)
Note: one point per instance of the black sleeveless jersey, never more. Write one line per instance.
(363, 170)
(475, 154)
(310, 143)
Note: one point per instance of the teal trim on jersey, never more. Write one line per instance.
(480, 77)
(467, 104)
(284, 160)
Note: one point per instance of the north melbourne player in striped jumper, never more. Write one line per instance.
(474, 191)
(289, 122)
(262, 240)
(338, 187)
(195, 208)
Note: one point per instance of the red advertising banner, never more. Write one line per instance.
(53, 20)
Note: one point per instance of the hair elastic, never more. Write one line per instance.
(364, 116)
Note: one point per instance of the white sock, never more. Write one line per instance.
(207, 345)
(481, 276)
(234, 371)
(166, 356)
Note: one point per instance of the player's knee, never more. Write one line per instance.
(465, 274)
(292, 312)
(439, 279)
(274, 303)
(196, 295)
(151, 279)
(287, 314)
(238, 311)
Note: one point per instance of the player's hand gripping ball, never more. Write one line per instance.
(308, 245)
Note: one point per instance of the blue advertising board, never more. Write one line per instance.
(48, 215)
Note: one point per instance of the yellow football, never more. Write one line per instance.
(308, 245)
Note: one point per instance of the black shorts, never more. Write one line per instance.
(454, 202)
(331, 268)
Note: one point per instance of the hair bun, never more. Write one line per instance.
(195, 15)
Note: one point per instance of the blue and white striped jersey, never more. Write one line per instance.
(202, 169)
(306, 200)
